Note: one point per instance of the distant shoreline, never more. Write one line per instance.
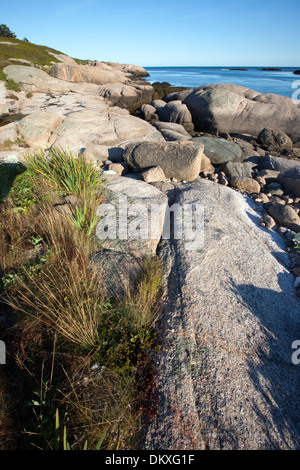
(276, 80)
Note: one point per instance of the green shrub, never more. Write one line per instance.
(61, 170)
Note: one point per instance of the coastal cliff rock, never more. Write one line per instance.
(31, 79)
(87, 74)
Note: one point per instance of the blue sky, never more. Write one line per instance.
(163, 32)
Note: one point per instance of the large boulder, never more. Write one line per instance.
(235, 109)
(129, 96)
(242, 169)
(180, 160)
(147, 111)
(274, 138)
(220, 150)
(31, 79)
(84, 73)
(287, 168)
(175, 111)
(224, 374)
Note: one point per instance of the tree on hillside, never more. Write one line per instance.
(5, 32)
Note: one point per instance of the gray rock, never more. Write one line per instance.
(130, 226)
(235, 109)
(237, 169)
(147, 111)
(291, 185)
(37, 128)
(8, 132)
(126, 95)
(286, 167)
(174, 111)
(285, 215)
(118, 271)
(274, 138)
(224, 369)
(220, 150)
(158, 103)
(111, 128)
(249, 153)
(172, 131)
(269, 176)
(180, 160)
(267, 221)
(101, 153)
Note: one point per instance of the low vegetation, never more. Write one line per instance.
(77, 358)
(10, 84)
(24, 51)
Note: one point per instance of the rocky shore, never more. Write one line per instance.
(224, 376)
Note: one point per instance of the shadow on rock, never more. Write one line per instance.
(273, 373)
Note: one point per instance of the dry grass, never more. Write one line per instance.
(66, 297)
(48, 282)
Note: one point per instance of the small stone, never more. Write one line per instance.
(288, 199)
(267, 221)
(119, 168)
(245, 184)
(262, 197)
(275, 192)
(282, 230)
(285, 216)
(153, 175)
(276, 199)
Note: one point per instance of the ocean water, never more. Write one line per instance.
(282, 82)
